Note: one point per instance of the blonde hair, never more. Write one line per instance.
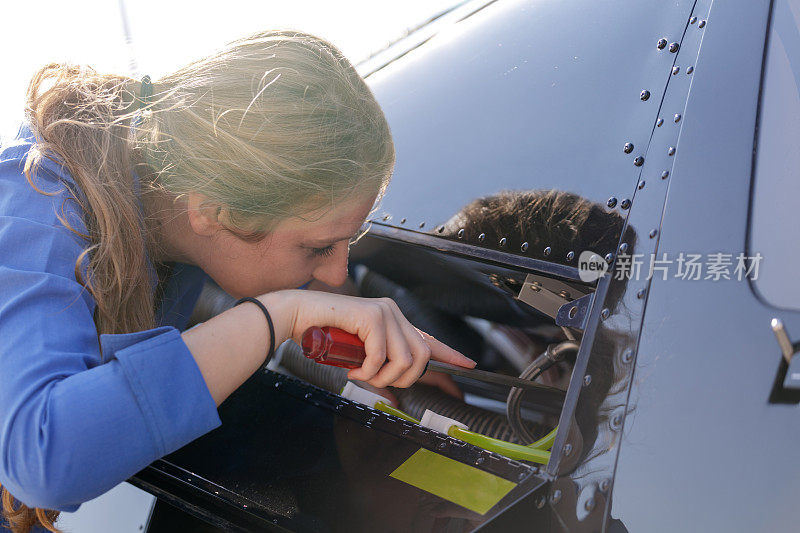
(272, 126)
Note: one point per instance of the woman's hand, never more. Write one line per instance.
(396, 351)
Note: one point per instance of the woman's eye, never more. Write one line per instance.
(322, 252)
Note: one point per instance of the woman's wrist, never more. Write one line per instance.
(282, 307)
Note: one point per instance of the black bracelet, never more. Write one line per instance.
(269, 322)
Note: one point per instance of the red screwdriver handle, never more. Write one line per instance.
(333, 346)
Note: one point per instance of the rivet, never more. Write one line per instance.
(307, 395)
(524, 247)
(567, 449)
(639, 161)
(640, 293)
(677, 117)
(570, 256)
(671, 150)
(689, 70)
(386, 217)
(661, 44)
(503, 241)
(587, 380)
(641, 185)
(460, 233)
(479, 461)
(442, 445)
(564, 294)
(628, 148)
(605, 313)
(692, 20)
(540, 501)
(627, 356)
(402, 221)
(277, 384)
(421, 225)
(659, 122)
(556, 496)
(612, 202)
(653, 233)
(604, 485)
(481, 237)
(589, 505)
(609, 257)
(644, 95)
(536, 286)
(440, 229)
(625, 204)
(665, 174)
(623, 247)
(673, 47)
(616, 422)
(675, 70)
(547, 250)
(702, 24)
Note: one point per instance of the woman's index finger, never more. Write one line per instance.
(442, 352)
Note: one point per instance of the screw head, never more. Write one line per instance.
(609, 257)
(623, 248)
(639, 161)
(692, 20)
(567, 449)
(402, 220)
(644, 95)
(587, 380)
(556, 496)
(673, 47)
(482, 237)
(616, 422)
(659, 122)
(628, 148)
(605, 313)
(604, 485)
(675, 70)
(503, 241)
(689, 70)
(589, 505)
(460, 233)
(665, 174)
(421, 225)
(524, 247)
(479, 461)
(661, 44)
(640, 294)
(641, 185)
(540, 501)
(625, 204)
(570, 256)
(612, 202)
(627, 356)
(671, 150)
(702, 24)
(386, 217)
(677, 117)
(547, 250)
(653, 233)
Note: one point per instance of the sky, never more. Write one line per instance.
(167, 34)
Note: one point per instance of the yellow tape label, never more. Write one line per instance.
(456, 482)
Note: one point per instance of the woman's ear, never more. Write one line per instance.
(203, 214)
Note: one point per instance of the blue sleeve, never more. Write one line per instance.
(72, 426)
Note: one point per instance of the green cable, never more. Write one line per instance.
(546, 442)
(508, 449)
(380, 406)
(533, 452)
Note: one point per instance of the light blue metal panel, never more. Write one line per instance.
(527, 95)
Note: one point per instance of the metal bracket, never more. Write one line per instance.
(575, 314)
(548, 295)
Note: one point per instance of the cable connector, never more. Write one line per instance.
(439, 423)
(353, 392)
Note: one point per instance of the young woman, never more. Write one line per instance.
(256, 166)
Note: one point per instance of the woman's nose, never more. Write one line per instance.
(333, 271)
